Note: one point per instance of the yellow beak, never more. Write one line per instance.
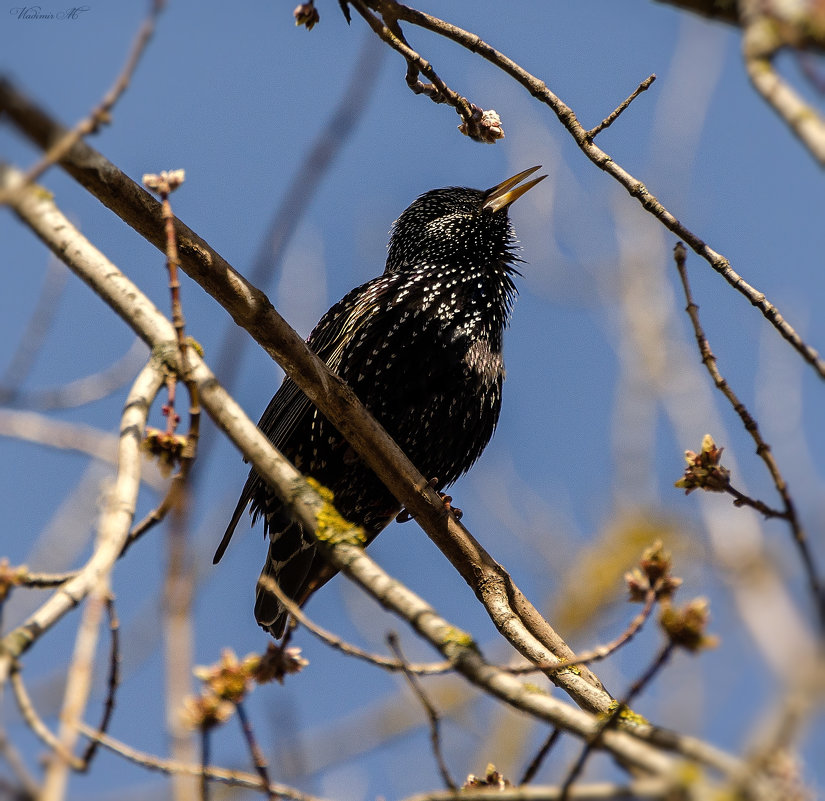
(507, 192)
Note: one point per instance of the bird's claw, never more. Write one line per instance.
(448, 502)
(404, 516)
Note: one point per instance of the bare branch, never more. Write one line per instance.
(620, 709)
(232, 778)
(429, 708)
(307, 505)
(535, 763)
(437, 90)
(599, 652)
(114, 525)
(258, 759)
(78, 687)
(34, 721)
(763, 450)
(457, 646)
(538, 89)
(113, 682)
(614, 115)
(511, 612)
(761, 42)
(336, 642)
(99, 115)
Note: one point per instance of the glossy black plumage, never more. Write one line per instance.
(421, 347)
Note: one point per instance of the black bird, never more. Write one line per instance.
(421, 347)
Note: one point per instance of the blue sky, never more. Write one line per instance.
(604, 388)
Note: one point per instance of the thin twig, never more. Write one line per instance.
(229, 777)
(745, 500)
(763, 450)
(179, 584)
(438, 91)
(164, 183)
(157, 515)
(620, 709)
(601, 651)
(538, 89)
(432, 713)
(614, 115)
(101, 114)
(111, 685)
(269, 584)
(204, 763)
(35, 331)
(34, 721)
(47, 580)
(535, 763)
(255, 752)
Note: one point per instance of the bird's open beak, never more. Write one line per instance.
(507, 192)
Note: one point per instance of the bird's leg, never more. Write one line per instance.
(404, 516)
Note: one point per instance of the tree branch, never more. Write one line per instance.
(513, 615)
(308, 506)
(538, 89)
(114, 524)
(761, 41)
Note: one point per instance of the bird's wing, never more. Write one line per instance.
(289, 406)
(279, 419)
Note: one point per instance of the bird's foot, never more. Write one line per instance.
(448, 502)
(404, 516)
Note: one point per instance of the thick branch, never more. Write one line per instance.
(513, 615)
(306, 504)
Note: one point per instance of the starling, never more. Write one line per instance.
(421, 347)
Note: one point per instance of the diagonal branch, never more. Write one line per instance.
(762, 448)
(101, 114)
(232, 778)
(437, 90)
(432, 713)
(513, 615)
(538, 89)
(308, 506)
(334, 641)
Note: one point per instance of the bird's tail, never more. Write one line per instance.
(288, 564)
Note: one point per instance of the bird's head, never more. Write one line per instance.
(456, 224)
